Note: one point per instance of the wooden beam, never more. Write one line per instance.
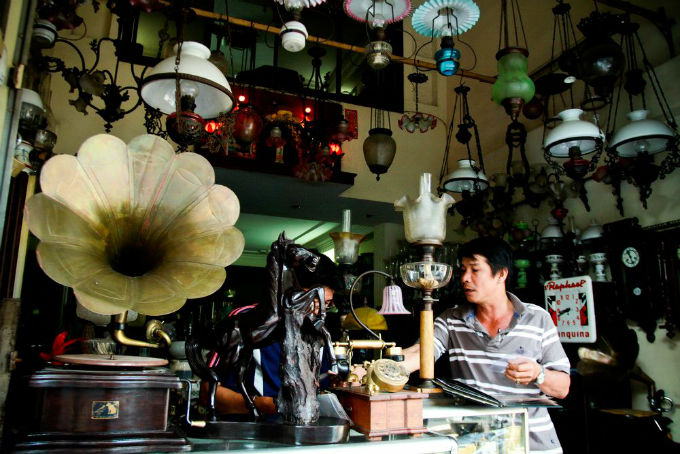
(336, 44)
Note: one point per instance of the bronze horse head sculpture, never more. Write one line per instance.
(291, 269)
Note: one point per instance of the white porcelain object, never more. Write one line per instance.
(572, 132)
(158, 86)
(554, 260)
(44, 34)
(134, 226)
(293, 36)
(641, 135)
(598, 260)
(467, 177)
(425, 217)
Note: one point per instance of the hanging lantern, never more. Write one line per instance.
(378, 54)
(447, 57)
(641, 135)
(513, 87)
(600, 60)
(379, 150)
(247, 125)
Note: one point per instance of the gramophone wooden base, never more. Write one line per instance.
(101, 410)
(383, 413)
(108, 442)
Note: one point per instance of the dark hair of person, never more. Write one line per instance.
(497, 253)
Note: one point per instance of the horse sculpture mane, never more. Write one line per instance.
(233, 339)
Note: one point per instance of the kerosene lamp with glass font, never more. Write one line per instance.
(425, 227)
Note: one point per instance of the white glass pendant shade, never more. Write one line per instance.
(393, 301)
(552, 231)
(293, 36)
(32, 98)
(198, 78)
(572, 132)
(434, 18)
(466, 178)
(641, 135)
(346, 246)
(377, 13)
(425, 216)
(594, 231)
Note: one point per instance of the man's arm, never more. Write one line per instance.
(412, 358)
(555, 384)
(228, 401)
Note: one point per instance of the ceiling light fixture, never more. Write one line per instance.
(513, 87)
(445, 19)
(642, 137)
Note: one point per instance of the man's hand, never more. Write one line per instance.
(522, 370)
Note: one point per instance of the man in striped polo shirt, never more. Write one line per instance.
(497, 343)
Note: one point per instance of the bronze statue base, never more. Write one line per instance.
(271, 428)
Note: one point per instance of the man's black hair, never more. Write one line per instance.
(497, 253)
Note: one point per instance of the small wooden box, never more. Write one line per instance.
(383, 413)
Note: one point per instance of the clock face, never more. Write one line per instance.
(630, 257)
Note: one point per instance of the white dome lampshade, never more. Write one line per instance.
(199, 78)
(641, 135)
(572, 132)
(293, 36)
(552, 232)
(467, 177)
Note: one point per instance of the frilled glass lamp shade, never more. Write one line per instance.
(641, 135)
(572, 132)
(437, 18)
(379, 150)
(346, 243)
(513, 87)
(134, 227)
(425, 216)
(467, 177)
(377, 13)
(200, 80)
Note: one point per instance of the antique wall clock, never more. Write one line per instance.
(634, 266)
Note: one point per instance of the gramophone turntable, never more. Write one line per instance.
(128, 227)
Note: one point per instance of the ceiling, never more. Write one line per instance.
(307, 212)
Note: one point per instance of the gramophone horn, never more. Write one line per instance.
(134, 227)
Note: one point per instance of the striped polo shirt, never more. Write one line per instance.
(479, 360)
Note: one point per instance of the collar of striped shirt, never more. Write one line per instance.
(466, 311)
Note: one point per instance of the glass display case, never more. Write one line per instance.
(479, 430)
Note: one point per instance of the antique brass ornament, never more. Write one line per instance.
(134, 226)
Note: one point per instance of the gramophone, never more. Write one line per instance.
(130, 227)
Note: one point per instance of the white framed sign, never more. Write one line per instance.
(571, 305)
